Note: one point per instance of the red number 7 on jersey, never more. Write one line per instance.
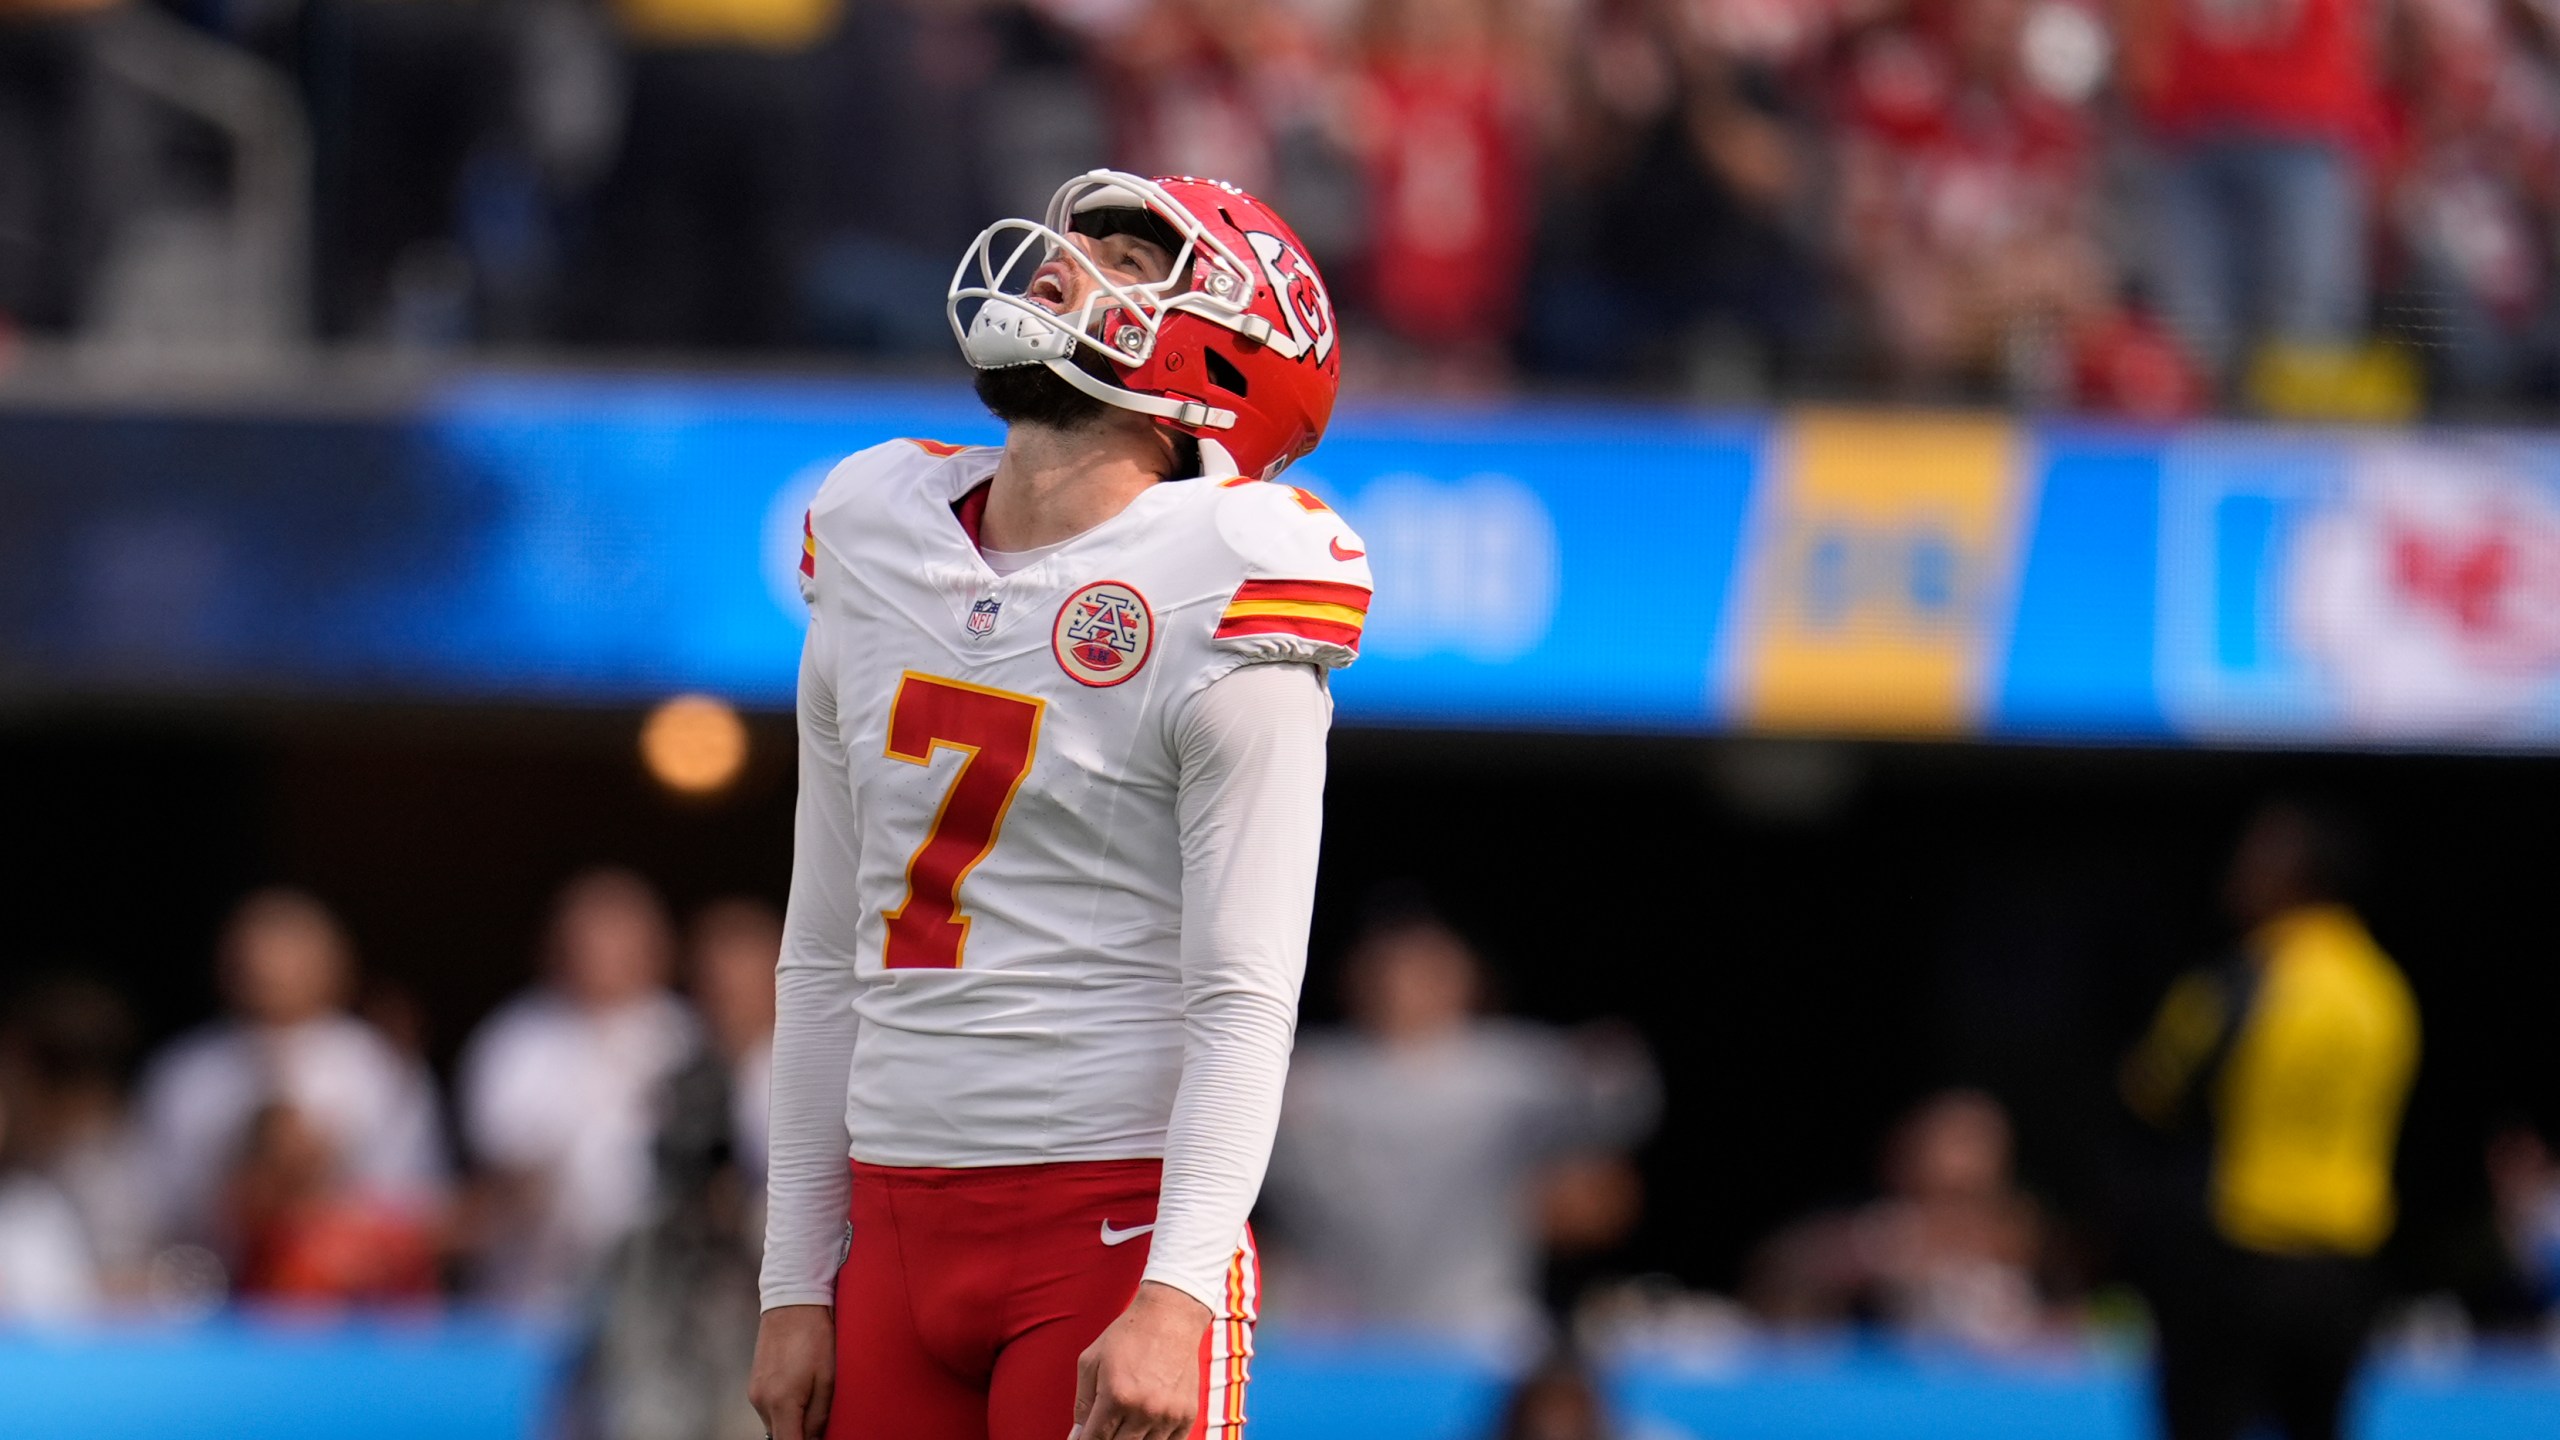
(996, 731)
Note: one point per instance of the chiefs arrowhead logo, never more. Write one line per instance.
(1303, 302)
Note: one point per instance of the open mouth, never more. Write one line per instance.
(1047, 289)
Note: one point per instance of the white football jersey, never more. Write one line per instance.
(1007, 739)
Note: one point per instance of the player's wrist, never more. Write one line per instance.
(1161, 1305)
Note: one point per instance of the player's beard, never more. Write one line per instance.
(1034, 395)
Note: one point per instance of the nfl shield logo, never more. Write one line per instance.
(982, 617)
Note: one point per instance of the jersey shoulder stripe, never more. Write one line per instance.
(1281, 537)
(938, 449)
(1327, 612)
(808, 558)
(1304, 592)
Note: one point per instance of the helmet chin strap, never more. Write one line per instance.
(1181, 412)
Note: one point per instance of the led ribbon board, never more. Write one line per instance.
(1538, 566)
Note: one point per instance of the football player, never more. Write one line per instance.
(1062, 742)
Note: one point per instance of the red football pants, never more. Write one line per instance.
(967, 1295)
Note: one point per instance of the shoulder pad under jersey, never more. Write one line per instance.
(1304, 590)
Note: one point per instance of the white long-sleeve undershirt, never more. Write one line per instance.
(1251, 812)
(1250, 748)
(807, 1186)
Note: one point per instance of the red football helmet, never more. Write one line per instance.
(1236, 347)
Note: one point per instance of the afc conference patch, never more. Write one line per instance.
(1103, 633)
(982, 617)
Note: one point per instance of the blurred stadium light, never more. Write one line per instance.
(694, 745)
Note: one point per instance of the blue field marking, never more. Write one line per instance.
(1333, 1388)
(281, 1379)
(472, 1377)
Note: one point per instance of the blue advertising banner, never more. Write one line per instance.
(594, 540)
(1545, 568)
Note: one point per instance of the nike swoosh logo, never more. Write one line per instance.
(1341, 554)
(1123, 1237)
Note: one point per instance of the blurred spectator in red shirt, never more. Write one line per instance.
(1954, 1250)
(1192, 81)
(1441, 116)
(304, 1234)
(1964, 193)
(287, 968)
(2474, 190)
(1968, 195)
(2123, 362)
(560, 1091)
(2259, 113)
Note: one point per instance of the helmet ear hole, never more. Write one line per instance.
(1224, 374)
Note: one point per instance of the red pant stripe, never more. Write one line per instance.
(1226, 1368)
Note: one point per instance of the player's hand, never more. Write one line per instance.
(1141, 1379)
(794, 1380)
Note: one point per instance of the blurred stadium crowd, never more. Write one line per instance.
(1441, 1170)
(298, 1148)
(2297, 207)
(598, 1159)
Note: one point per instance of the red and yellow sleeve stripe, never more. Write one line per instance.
(1326, 611)
(808, 545)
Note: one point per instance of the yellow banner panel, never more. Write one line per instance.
(1882, 575)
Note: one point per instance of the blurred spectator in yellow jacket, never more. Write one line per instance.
(2291, 1063)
